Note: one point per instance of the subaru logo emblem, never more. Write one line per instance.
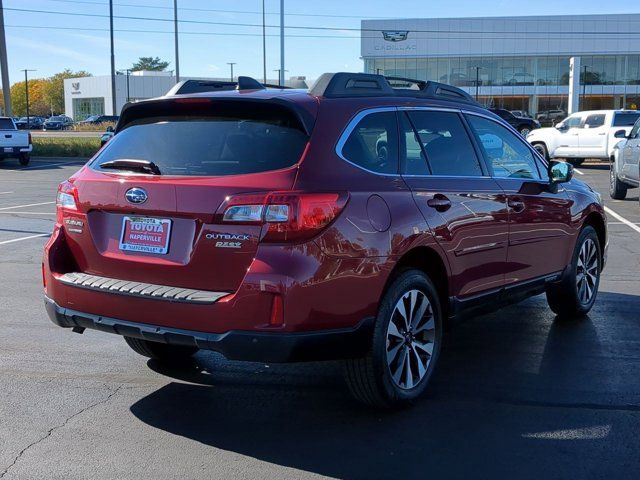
(136, 195)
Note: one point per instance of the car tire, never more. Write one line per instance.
(617, 189)
(160, 351)
(576, 162)
(24, 159)
(575, 294)
(401, 361)
(542, 150)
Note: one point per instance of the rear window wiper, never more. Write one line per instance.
(144, 166)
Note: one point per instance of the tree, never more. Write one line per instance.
(37, 102)
(150, 63)
(54, 89)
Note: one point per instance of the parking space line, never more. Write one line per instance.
(27, 205)
(48, 213)
(578, 171)
(77, 162)
(619, 217)
(25, 238)
(4, 193)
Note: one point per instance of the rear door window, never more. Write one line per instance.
(373, 143)
(6, 124)
(209, 145)
(441, 139)
(595, 121)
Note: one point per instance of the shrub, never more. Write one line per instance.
(65, 147)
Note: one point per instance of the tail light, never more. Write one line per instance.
(289, 216)
(29, 137)
(66, 200)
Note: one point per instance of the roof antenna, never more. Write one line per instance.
(248, 83)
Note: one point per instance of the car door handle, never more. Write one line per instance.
(602, 133)
(516, 205)
(440, 202)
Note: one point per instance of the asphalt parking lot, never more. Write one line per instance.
(518, 393)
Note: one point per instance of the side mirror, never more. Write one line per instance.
(560, 172)
(620, 134)
(109, 129)
(562, 127)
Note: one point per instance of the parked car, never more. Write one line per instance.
(353, 221)
(581, 135)
(106, 136)
(32, 123)
(522, 124)
(625, 162)
(14, 143)
(521, 113)
(520, 79)
(96, 119)
(551, 116)
(59, 122)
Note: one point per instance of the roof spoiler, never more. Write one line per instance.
(345, 85)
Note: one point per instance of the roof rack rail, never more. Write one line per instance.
(344, 84)
(200, 86)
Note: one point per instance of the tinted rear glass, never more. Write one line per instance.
(625, 119)
(6, 124)
(209, 146)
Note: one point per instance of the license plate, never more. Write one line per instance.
(8, 150)
(144, 234)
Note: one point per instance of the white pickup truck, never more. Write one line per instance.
(13, 142)
(581, 135)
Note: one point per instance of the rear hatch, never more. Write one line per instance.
(155, 195)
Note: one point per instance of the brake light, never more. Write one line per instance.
(66, 199)
(289, 216)
(29, 137)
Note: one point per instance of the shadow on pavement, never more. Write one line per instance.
(518, 394)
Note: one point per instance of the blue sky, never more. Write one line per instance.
(82, 42)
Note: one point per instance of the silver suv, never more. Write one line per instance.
(625, 163)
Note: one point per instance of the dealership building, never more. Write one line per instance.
(517, 63)
(88, 96)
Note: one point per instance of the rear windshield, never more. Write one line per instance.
(625, 119)
(6, 124)
(209, 146)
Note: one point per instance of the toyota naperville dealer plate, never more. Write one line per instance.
(143, 234)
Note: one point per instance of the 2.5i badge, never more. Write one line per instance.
(227, 240)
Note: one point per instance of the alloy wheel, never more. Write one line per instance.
(525, 131)
(587, 271)
(411, 337)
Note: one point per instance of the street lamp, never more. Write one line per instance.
(127, 72)
(26, 91)
(584, 86)
(477, 69)
(280, 78)
(231, 64)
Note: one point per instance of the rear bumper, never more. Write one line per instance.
(276, 347)
(15, 150)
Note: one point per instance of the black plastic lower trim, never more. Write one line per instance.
(270, 347)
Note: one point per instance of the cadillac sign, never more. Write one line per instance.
(395, 36)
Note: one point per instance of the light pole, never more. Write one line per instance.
(6, 87)
(113, 61)
(175, 29)
(231, 64)
(477, 80)
(280, 76)
(26, 91)
(264, 45)
(127, 72)
(584, 87)
(282, 70)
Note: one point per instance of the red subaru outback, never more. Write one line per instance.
(353, 221)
